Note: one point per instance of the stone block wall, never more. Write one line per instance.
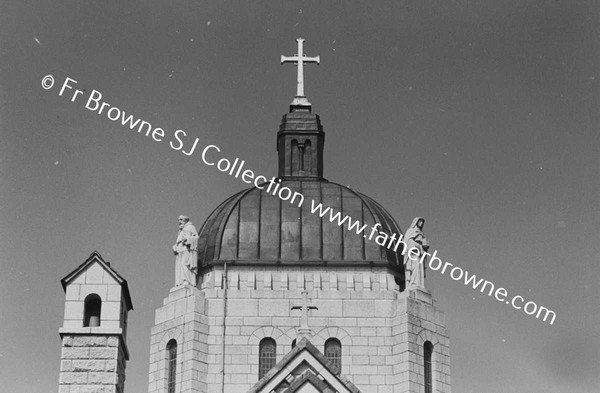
(91, 364)
(380, 329)
(417, 321)
(181, 318)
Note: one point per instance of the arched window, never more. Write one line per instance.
(267, 352)
(333, 352)
(91, 310)
(293, 343)
(427, 352)
(307, 161)
(295, 163)
(171, 365)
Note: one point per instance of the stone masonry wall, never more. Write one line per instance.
(183, 319)
(418, 321)
(91, 364)
(380, 328)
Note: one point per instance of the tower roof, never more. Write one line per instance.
(95, 257)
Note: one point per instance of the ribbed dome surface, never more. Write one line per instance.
(256, 227)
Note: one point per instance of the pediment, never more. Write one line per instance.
(304, 370)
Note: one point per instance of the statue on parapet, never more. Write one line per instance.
(414, 264)
(186, 255)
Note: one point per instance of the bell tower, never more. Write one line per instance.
(94, 331)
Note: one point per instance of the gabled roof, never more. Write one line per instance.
(95, 257)
(304, 364)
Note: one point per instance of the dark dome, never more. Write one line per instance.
(254, 227)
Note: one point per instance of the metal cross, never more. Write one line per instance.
(305, 307)
(300, 59)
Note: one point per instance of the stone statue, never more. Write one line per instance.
(414, 238)
(186, 255)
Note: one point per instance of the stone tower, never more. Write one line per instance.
(94, 331)
(266, 263)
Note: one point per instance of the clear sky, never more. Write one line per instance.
(481, 116)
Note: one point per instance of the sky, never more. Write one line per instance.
(482, 117)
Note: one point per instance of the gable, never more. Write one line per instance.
(94, 270)
(304, 370)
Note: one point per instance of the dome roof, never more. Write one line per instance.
(255, 227)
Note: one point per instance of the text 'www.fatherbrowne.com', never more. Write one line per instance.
(393, 242)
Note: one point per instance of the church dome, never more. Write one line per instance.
(255, 227)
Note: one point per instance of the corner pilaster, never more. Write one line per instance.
(181, 318)
(417, 322)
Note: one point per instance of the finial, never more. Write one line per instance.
(300, 59)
